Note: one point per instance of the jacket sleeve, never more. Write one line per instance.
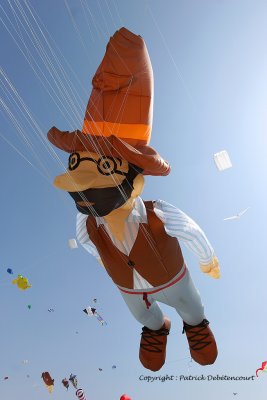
(185, 229)
(83, 237)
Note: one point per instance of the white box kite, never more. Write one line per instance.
(222, 160)
(72, 244)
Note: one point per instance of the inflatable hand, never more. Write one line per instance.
(212, 269)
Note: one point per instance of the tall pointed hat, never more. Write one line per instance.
(118, 117)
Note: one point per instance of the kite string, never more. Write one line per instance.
(97, 28)
(5, 77)
(26, 114)
(38, 47)
(110, 13)
(103, 16)
(77, 30)
(121, 108)
(117, 12)
(177, 69)
(25, 158)
(37, 74)
(54, 54)
(47, 60)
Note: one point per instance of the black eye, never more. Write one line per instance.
(107, 165)
(74, 161)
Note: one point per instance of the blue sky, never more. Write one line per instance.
(210, 61)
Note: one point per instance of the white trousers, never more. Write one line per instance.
(183, 296)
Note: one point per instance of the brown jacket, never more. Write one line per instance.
(155, 255)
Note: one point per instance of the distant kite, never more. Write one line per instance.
(80, 394)
(65, 382)
(125, 397)
(48, 381)
(263, 368)
(92, 312)
(222, 160)
(89, 310)
(73, 380)
(238, 215)
(10, 270)
(21, 282)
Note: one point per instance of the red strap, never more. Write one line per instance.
(148, 304)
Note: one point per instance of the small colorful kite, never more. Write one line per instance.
(65, 382)
(21, 282)
(48, 381)
(92, 312)
(263, 368)
(10, 271)
(73, 380)
(80, 394)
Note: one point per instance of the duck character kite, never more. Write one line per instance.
(137, 241)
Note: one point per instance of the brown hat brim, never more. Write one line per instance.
(143, 156)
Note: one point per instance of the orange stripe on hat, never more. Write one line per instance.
(124, 131)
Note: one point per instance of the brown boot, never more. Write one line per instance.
(201, 342)
(152, 352)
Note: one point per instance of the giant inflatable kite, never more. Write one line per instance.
(137, 241)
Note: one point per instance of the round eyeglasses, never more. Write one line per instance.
(105, 165)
